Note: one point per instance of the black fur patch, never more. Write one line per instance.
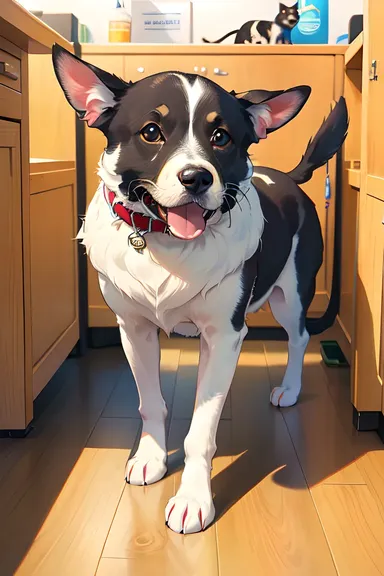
(140, 160)
(287, 212)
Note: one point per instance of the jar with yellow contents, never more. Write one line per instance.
(120, 24)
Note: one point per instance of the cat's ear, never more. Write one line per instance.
(92, 92)
(272, 113)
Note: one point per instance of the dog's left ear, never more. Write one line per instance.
(273, 112)
(92, 92)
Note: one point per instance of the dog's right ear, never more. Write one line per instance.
(93, 93)
(270, 113)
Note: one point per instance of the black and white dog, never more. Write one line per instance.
(277, 31)
(186, 236)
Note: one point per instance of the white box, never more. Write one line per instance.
(161, 22)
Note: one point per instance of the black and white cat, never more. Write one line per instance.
(264, 31)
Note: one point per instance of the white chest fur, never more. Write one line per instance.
(170, 272)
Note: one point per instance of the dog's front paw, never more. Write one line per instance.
(284, 397)
(188, 514)
(141, 471)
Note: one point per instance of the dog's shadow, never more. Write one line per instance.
(293, 448)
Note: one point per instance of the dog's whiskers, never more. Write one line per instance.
(229, 211)
(234, 198)
(236, 188)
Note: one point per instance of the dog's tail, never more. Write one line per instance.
(327, 142)
(220, 39)
(324, 145)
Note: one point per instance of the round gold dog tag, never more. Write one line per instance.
(138, 242)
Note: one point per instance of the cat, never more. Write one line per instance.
(264, 31)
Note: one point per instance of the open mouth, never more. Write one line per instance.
(186, 222)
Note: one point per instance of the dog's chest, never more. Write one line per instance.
(170, 274)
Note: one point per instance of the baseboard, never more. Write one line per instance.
(367, 421)
(104, 337)
(380, 429)
(22, 433)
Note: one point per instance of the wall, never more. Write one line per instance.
(211, 18)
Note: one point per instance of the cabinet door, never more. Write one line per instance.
(375, 89)
(12, 397)
(369, 307)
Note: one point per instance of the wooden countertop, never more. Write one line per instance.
(230, 49)
(26, 31)
(37, 165)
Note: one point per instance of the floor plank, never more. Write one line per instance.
(371, 466)
(67, 509)
(39, 465)
(262, 497)
(354, 528)
(325, 451)
(139, 537)
(78, 523)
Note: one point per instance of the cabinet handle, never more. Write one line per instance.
(219, 72)
(141, 69)
(6, 69)
(373, 75)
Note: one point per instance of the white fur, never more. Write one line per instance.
(263, 177)
(104, 97)
(170, 192)
(256, 36)
(286, 307)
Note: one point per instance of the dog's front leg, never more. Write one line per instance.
(140, 341)
(192, 509)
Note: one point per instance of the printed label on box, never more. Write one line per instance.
(161, 22)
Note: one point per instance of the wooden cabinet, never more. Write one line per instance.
(375, 97)
(240, 69)
(368, 373)
(12, 398)
(369, 321)
(54, 276)
(32, 344)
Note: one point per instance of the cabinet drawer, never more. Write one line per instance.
(10, 71)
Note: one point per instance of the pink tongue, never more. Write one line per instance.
(186, 221)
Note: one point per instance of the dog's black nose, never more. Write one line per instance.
(196, 179)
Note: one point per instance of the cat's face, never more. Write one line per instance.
(288, 16)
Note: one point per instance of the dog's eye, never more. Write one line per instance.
(152, 133)
(220, 138)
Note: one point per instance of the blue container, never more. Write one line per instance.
(313, 27)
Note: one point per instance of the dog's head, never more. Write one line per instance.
(288, 16)
(176, 143)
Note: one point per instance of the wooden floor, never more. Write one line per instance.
(297, 491)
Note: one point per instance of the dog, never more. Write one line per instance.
(277, 31)
(187, 237)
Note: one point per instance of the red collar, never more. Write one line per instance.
(134, 219)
